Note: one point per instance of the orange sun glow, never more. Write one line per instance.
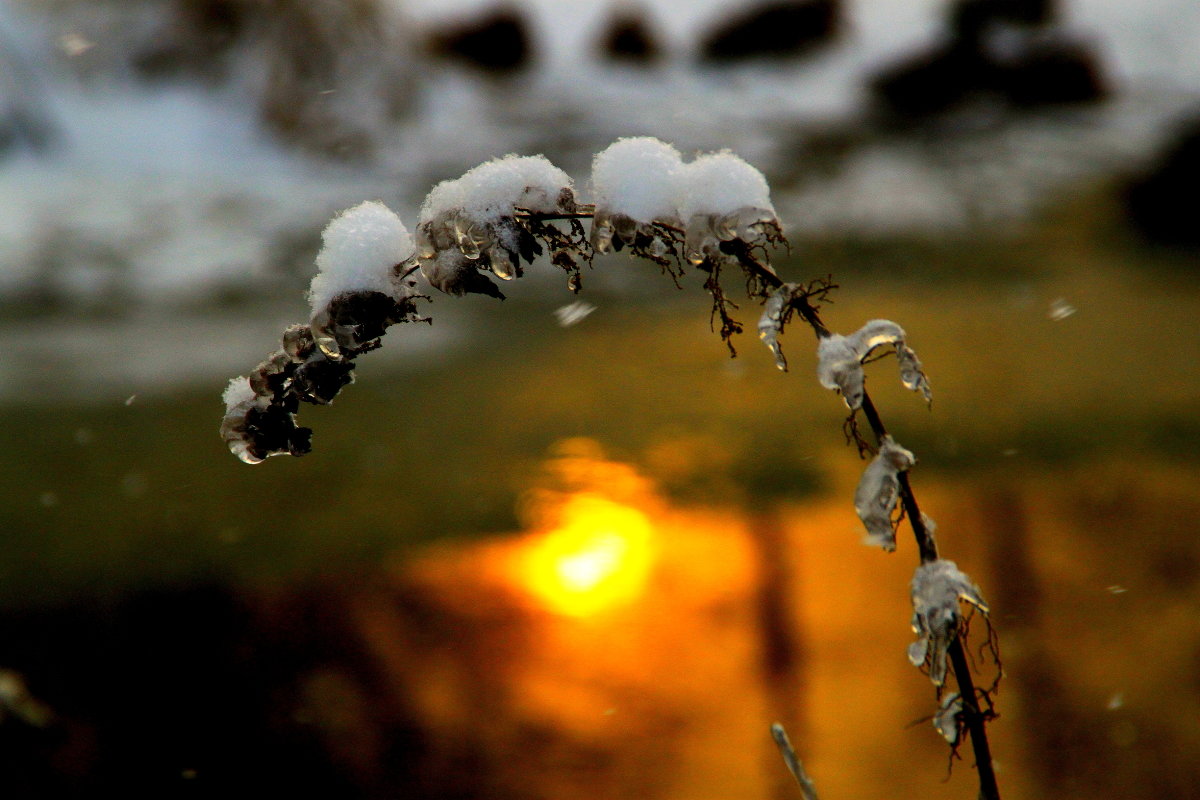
(598, 557)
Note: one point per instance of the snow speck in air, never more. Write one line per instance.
(574, 313)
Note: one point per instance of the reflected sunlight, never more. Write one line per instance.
(598, 557)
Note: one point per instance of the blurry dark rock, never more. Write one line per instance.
(1051, 70)
(969, 19)
(932, 81)
(628, 38)
(1011, 50)
(498, 41)
(199, 33)
(781, 28)
(1161, 202)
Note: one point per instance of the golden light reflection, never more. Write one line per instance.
(598, 557)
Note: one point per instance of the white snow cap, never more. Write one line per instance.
(490, 191)
(361, 245)
(638, 177)
(237, 392)
(721, 183)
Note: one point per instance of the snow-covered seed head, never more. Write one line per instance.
(254, 429)
(360, 248)
(723, 199)
(637, 178)
(474, 216)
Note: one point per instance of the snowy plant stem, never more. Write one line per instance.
(972, 715)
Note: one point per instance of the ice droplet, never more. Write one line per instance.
(948, 719)
(602, 233)
(658, 248)
(937, 588)
(469, 242)
(502, 264)
(329, 346)
(770, 324)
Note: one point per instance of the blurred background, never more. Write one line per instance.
(534, 561)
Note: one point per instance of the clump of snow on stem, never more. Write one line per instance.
(725, 202)
(638, 178)
(361, 248)
(879, 490)
(490, 191)
(468, 225)
(841, 358)
(722, 183)
(636, 183)
(238, 392)
(937, 588)
(239, 399)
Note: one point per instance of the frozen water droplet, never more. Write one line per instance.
(602, 233)
(725, 227)
(770, 325)
(502, 264)
(574, 283)
(625, 227)
(658, 248)
(298, 342)
(470, 240)
(947, 720)
(329, 346)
